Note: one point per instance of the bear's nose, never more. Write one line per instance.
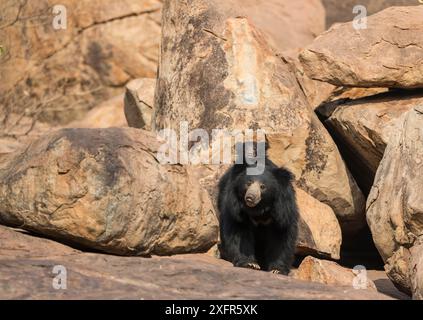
(252, 201)
(253, 195)
(249, 199)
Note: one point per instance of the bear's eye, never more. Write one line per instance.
(262, 187)
(249, 183)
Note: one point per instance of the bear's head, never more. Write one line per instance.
(257, 191)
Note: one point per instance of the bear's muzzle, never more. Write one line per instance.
(253, 195)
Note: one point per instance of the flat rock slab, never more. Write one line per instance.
(26, 265)
(388, 53)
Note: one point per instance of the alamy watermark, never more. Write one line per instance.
(360, 281)
(60, 281)
(360, 21)
(196, 147)
(60, 20)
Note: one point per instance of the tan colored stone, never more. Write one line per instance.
(328, 272)
(139, 102)
(218, 72)
(27, 262)
(388, 53)
(395, 206)
(286, 24)
(365, 125)
(17, 131)
(105, 189)
(342, 95)
(319, 231)
(342, 11)
(397, 269)
(56, 76)
(108, 114)
(315, 91)
(322, 96)
(416, 272)
(20, 131)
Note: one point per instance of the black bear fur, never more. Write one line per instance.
(264, 236)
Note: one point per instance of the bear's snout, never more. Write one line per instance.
(253, 195)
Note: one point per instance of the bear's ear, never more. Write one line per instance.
(283, 175)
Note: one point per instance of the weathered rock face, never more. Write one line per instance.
(341, 95)
(388, 53)
(27, 262)
(416, 271)
(56, 76)
(217, 72)
(20, 131)
(319, 231)
(315, 91)
(312, 156)
(104, 189)
(363, 126)
(139, 102)
(329, 272)
(107, 114)
(286, 24)
(395, 205)
(342, 11)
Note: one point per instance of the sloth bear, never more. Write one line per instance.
(258, 215)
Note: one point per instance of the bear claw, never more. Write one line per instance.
(275, 271)
(254, 266)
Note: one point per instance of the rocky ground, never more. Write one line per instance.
(27, 262)
(82, 108)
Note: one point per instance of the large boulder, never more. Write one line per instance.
(218, 72)
(319, 230)
(329, 272)
(342, 11)
(388, 53)
(57, 75)
(364, 126)
(395, 205)
(29, 265)
(105, 189)
(315, 91)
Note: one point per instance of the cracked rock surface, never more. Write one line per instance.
(395, 204)
(364, 127)
(54, 76)
(27, 262)
(388, 53)
(104, 189)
